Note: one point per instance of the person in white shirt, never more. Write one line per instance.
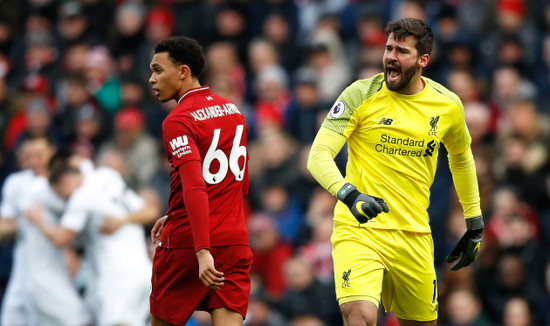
(28, 299)
(121, 268)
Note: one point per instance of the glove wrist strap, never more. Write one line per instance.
(348, 194)
(475, 223)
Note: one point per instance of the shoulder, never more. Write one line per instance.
(362, 90)
(445, 92)
(18, 179)
(104, 174)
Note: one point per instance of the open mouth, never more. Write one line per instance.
(393, 73)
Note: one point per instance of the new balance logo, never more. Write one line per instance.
(385, 121)
(179, 142)
(209, 98)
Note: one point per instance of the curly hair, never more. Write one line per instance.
(184, 50)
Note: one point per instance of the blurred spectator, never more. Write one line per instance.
(277, 30)
(73, 28)
(284, 209)
(318, 251)
(74, 96)
(8, 108)
(159, 24)
(134, 94)
(478, 120)
(130, 29)
(462, 307)
(306, 107)
(261, 314)
(542, 313)
(511, 281)
(102, 80)
(138, 148)
(305, 293)
(272, 89)
(270, 253)
(508, 89)
(517, 313)
(231, 26)
(224, 63)
(74, 58)
(275, 162)
(326, 58)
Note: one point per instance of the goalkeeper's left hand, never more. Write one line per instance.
(468, 246)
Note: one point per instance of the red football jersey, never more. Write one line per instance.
(210, 130)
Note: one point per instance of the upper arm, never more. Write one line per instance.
(180, 142)
(342, 118)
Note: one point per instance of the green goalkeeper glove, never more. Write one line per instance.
(363, 207)
(468, 246)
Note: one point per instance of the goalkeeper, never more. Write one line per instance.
(394, 124)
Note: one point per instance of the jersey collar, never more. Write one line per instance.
(193, 90)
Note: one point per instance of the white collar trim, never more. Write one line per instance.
(191, 91)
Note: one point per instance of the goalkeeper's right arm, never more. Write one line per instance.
(326, 146)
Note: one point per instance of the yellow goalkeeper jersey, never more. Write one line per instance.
(393, 144)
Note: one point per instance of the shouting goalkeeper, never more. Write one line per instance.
(394, 124)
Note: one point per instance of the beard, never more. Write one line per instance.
(403, 80)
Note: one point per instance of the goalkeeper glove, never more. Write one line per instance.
(363, 207)
(468, 246)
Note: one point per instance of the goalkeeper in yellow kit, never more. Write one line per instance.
(394, 124)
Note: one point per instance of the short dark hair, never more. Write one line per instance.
(416, 28)
(184, 50)
(59, 165)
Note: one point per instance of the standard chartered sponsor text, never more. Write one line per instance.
(414, 149)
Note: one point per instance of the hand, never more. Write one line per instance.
(468, 246)
(35, 214)
(111, 224)
(208, 274)
(363, 207)
(156, 232)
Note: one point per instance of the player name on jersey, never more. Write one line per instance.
(215, 111)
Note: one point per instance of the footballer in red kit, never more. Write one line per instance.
(203, 259)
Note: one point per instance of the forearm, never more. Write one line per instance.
(8, 227)
(59, 236)
(196, 203)
(325, 147)
(465, 181)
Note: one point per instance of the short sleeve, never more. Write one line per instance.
(8, 207)
(132, 200)
(180, 142)
(75, 215)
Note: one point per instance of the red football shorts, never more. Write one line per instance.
(177, 290)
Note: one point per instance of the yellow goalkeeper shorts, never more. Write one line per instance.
(395, 265)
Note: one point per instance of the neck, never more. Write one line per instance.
(193, 83)
(415, 86)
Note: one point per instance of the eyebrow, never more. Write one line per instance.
(398, 47)
(155, 65)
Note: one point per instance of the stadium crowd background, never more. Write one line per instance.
(78, 71)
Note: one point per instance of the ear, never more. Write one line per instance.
(423, 60)
(185, 72)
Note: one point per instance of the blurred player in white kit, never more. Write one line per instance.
(40, 290)
(119, 289)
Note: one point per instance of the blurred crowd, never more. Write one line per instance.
(78, 70)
